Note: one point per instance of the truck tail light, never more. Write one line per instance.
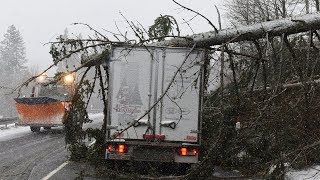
(184, 151)
(121, 148)
(195, 151)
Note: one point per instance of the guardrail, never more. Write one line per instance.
(6, 121)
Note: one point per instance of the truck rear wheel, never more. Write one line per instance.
(35, 129)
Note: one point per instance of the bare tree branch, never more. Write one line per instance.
(214, 27)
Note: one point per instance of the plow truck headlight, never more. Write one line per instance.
(68, 79)
(42, 78)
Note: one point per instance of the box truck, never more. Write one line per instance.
(139, 79)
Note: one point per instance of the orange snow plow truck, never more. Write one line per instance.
(48, 103)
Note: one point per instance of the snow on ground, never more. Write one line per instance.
(97, 116)
(312, 173)
(224, 174)
(12, 131)
(97, 119)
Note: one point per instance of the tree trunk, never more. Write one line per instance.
(256, 31)
(317, 5)
(307, 6)
(284, 9)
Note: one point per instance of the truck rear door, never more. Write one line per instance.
(178, 113)
(138, 78)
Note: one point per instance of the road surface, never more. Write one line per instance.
(34, 156)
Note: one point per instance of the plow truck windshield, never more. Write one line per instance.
(58, 92)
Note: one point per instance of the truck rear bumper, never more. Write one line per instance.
(152, 153)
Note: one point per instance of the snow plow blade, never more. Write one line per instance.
(41, 111)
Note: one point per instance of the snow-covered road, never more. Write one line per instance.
(13, 131)
(28, 155)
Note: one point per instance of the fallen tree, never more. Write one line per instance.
(254, 109)
(248, 33)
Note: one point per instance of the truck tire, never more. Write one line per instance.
(35, 129)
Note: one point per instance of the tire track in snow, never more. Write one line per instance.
(19, 162)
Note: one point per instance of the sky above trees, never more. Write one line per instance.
(40, 21)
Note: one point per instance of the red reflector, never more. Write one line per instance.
(148, 136)
(109, 147)
(121, 148)
(184, 151)
(158, 136)
(161, 137)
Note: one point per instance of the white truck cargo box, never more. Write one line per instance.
(139, 76)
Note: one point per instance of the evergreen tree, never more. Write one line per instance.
(13, 70)
(12, 53)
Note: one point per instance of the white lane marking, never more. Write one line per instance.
(55, 171)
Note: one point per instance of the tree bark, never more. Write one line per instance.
(307, 6)
(252, 32)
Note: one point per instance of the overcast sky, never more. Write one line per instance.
(40, 21)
